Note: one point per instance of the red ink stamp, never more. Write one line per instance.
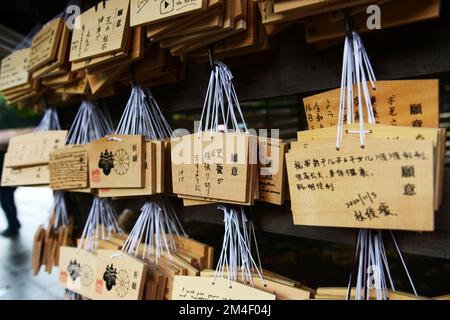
(63, 276)
(95, 174)
(99, 286)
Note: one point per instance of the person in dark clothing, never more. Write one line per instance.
(8, 206)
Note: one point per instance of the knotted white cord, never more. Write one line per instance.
(89, 124)
(158, 222)
(154, 229)
(221, 109)
(356, 71)
(236, 255)
(59, 211)
(371, 252)
(100, 225)
(49, 121)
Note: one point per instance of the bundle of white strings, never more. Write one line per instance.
(236, 256)
(100, 225)
(59, 211)
(154, 230)
(143, 116)
(373, 267)
(356, 71)
(158, 222)
(89, 124)
(221, 109)
(49, 121)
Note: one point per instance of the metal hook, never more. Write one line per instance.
(210, 56)
(348, 23)
(133, 76)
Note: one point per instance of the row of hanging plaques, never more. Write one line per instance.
(395, 182)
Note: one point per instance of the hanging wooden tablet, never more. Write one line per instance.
(231, 25)
(104, 29)
(77, 271)
(68, 168)
(386, 185)
(206, 288)
(212, 165)
(119, 276)
(61, 60)
(117, 161)
(13, 72)
(79, 87)
(44, 47)
(146, 12)
(272, 285)
(150, 177)
(413, 103)
(33, 148)
(25, 176)
(272, 170)
(36, 255)
(378, 131)
(208, 20)
(204, 252)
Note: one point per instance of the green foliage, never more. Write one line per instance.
(12, 117)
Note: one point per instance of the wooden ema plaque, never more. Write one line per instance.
(378, 131)
(58, 66)
(411, 103)
(150, 176)
(44, 47)
(33, 148)
(282, 288)
(117, 161)
(77, 270)
(386, 185)
(25, 176)
(13, 72)
(104, 29)
(119, 276)
(207, 288)
(212, 166)
(272, 170)
(151, 11)
(68, 168)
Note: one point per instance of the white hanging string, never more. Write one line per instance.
(356, 71)
(373, 265)
(58, 211)
(142, 116)
(235, 256)
(89, 124)
(221, 109)
(101, 224)
(158, 222)
(403, 263)
(49, 121)
(153, 233)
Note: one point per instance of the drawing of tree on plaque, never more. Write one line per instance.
(106, 162)
(122, 283)
(87, 275)
(121, 162)
(74, 269)
(110, 276)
